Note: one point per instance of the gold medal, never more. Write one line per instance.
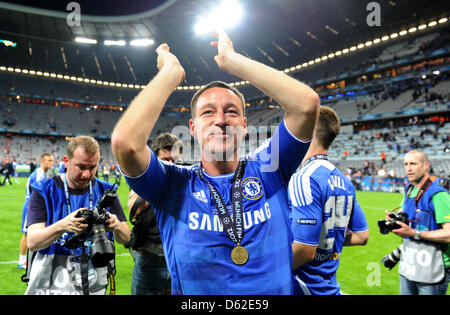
(239, 255)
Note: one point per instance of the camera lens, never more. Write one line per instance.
(384, 228)
(102, 250)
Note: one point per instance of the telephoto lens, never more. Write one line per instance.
(102, 250)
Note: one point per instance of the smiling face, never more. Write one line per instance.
(218, 124)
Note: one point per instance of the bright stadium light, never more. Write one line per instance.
(225, 16)
(142, 42)
(114, 42)
(8, 43)
(85, 40)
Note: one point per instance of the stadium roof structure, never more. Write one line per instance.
(280, 33)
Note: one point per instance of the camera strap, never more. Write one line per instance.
(421, 191)
(111, 274)
(84, 270)
(84, 258)
(66, 193)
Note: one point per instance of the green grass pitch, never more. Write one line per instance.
(360, 270)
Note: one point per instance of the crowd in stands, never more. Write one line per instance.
(31, 127)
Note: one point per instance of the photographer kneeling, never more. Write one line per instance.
(62, 208)
(425, 254)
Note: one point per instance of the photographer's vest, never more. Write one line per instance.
(56, 270)
(422, 261)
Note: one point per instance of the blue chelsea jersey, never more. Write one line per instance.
(198, 250)
(324, 206)
(37, 175)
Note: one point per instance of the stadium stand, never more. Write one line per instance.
(388, 90)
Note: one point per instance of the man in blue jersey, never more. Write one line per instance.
(16, 174)
(61, 167)
(325, 214)
(52, 220)
(37, 175)
(224, 223)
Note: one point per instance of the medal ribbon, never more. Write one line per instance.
(233, 226)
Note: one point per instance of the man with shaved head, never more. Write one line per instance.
(425, 257)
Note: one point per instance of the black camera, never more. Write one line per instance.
(391, 259)
(102, 249)
(387, 226)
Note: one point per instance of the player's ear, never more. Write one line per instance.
(192, 127)
(66, 160)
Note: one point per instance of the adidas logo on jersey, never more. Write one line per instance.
(200, 196)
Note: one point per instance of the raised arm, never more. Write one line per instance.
(130, 135)
(299, 101)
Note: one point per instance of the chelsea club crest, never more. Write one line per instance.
(252, 188)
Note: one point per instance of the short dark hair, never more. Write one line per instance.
(327, 127)
(166, 141)
(214, 84)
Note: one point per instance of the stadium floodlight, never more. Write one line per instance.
(8, 43)
(422, 27)
(142, 42)
(109, 42)
(85, 40)
(225, 16)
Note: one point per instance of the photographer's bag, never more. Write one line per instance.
(145, 228)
